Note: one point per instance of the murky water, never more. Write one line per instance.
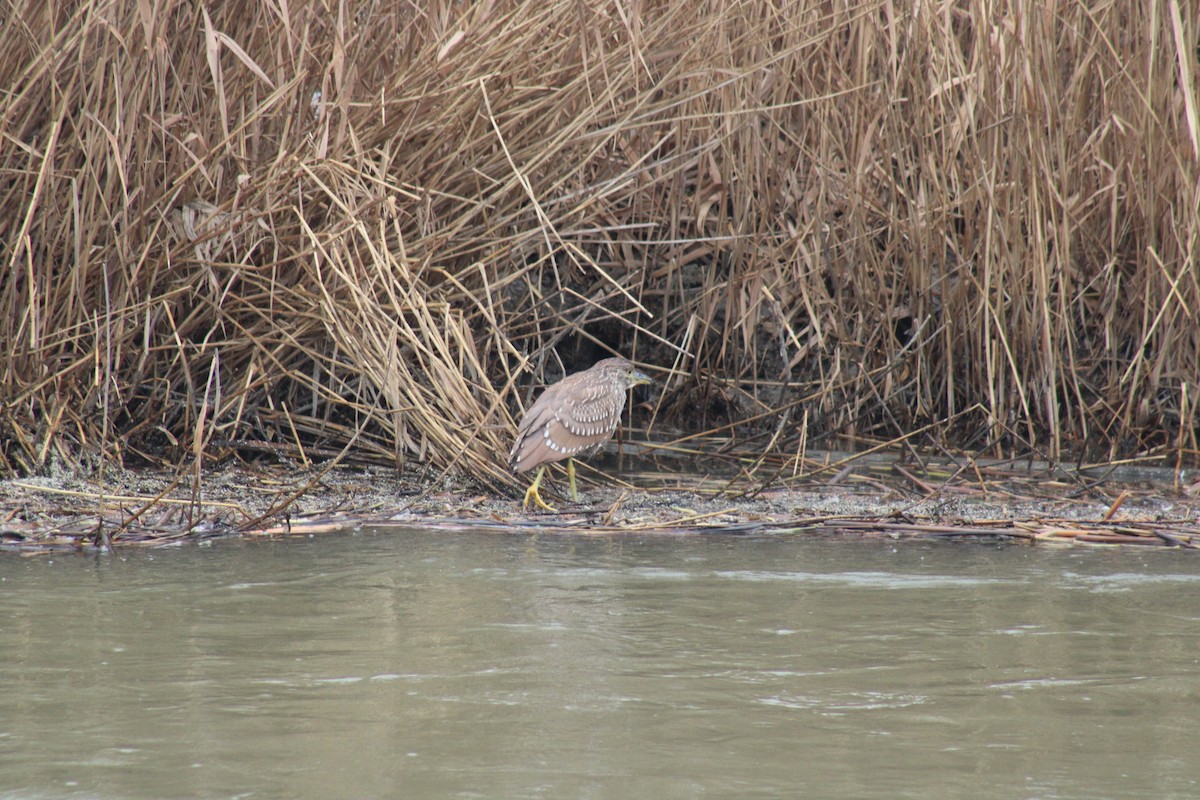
(404, 664)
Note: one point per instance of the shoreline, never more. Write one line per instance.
(149, 508)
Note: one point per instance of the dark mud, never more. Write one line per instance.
(156, 508)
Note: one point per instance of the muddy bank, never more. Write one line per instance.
(154, 508)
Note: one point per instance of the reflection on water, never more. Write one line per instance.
(406, 664)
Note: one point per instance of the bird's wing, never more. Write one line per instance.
(530, 448)
(592, 412)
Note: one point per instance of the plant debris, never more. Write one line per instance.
(996, 504)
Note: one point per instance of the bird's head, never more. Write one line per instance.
(627, 373)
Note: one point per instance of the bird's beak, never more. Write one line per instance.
(636, 378)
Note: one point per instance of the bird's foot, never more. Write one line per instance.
(533, 494)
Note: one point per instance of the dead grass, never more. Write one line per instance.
(366, 228)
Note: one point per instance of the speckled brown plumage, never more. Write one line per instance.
(574, 417)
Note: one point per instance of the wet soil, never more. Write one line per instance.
(156, 508)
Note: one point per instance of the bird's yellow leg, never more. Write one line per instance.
(571, 478)
(532, 492)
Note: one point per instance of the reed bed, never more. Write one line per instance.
(365, 230)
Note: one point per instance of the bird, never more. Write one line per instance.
(573, 418)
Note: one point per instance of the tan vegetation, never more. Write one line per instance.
(371, 226)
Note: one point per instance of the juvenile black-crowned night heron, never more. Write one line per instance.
(574, 417)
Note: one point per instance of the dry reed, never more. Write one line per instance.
(375, 223)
